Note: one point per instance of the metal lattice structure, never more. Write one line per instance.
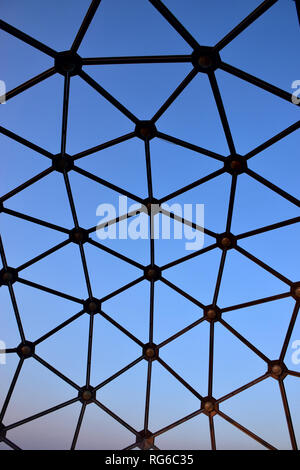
(205, 60)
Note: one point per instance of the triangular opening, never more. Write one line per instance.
(115, 31)
(262, 44)
(70, 360)
(142, 88)
(41, 110)
(235, 364)
(260, 409)
(249, 109)
(254, 283)
(258, 206)
(92, 119)
(194, 117)
(112, 350)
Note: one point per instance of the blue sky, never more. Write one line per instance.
(267, 49)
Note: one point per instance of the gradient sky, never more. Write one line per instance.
(267, 49)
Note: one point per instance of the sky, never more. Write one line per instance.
(266, 49)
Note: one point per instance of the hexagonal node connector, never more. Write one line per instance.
(25, 350)
(87, 394)
(235, 164)
(92, 306)
(2, 432)
(210, 406)
(8, 275)
(150, 351)
(206, 59)
(78, 235)
(212, 313)
(145, 440)
(295, 291)
(62, 163)
(68, 63)
(152, 206)
(226, 241)
(277, 369)
(145, 130)
(152, 272)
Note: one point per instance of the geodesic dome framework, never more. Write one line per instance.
(205, 60)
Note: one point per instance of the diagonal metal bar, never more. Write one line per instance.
(294, 373)
(108, 185)
(211, 358)
(190, 256)
(181, 332)
(273, 187)
(182, 292)
(193, 185)
(212, 432)
(116, 417)
(185, 82)
(231, 202)
(246, 431)
(55, 371)
(273, 140)
(58, 327)
(120, 372)
(256, 302)
(178, 218)
(78, 426)
(148, 394)
(34, 220)
(254, 15)
(263, 265)
(42, 413)
(188, 145)
(168, 15)
(244, 340)
(25, 185)
(30, 83)
(266, 228)
(89, 354)
(288, 415)
(115, 253)
(150, 59)
(121, 328)
(289, 331)
(103, 146)
(122, 289)
(297, 2)
(26, 38)
(178, 422)
(107, 96)
(85, 270)
(43, 255)
(49, 290)
(11, 444)
(64, 123)
(244, 387)
(221, 110)
(219, 278)
(25, 142)
(179, 378)
(11, 389)
(85, 24)
(256, 81)
(112, 221)
(16, 311)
